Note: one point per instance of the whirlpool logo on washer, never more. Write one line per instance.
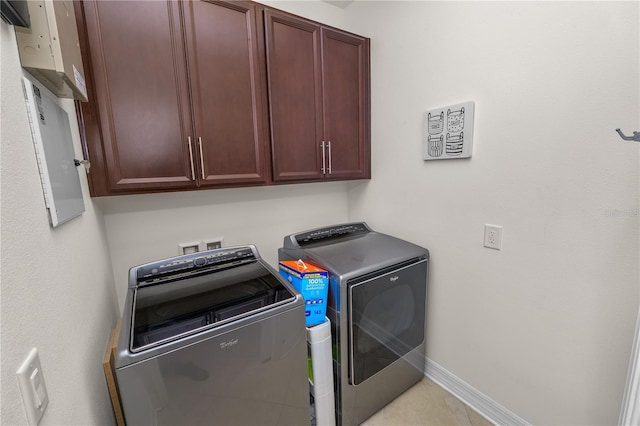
(227, 345)
(394, 278)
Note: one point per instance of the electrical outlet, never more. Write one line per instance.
(493, 236)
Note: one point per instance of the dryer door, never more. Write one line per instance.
(386, 317)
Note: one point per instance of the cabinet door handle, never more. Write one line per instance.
(329, 143)
(193, 173)
(201, 158)
(323, 158)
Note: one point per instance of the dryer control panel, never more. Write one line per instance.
(323, 234)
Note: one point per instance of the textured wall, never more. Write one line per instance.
(544, 326)
(143, 228)
(57, 284)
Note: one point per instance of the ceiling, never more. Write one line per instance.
(340, 3)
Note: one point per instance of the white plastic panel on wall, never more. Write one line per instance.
(448, 132)
(53, 144)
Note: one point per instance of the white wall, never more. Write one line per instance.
(144, 228)
(544, 326)
(57, 285)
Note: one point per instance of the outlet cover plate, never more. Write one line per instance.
(493, 236)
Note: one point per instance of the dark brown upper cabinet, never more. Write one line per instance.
(346, 106)
(178, 95)
(140, 97)
(227, 81)
(197, 94)
(318, 83)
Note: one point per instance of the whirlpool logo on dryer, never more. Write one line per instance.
(227, 345)
(394, 278)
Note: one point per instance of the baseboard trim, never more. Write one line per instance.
(485, 406)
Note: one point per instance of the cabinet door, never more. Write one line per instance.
(295, 98)
(345, 64)
(141, 96)
(227, 84)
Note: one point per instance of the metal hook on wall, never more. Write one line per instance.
(635, 137)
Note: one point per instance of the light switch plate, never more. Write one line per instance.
(32, 387)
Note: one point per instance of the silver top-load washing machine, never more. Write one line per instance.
(377, 307)
(213, 338)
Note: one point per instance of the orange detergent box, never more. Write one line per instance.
(313, 283)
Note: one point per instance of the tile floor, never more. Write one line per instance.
(426, 404)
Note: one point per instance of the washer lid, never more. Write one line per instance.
(179, 308)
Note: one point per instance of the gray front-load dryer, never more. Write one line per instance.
(377, 307)
(213, 338)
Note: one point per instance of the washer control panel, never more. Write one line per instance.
(181, 266)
